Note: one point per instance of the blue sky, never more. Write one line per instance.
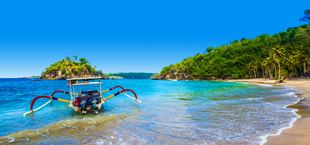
(130, 36)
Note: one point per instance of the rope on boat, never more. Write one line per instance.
(269, 126)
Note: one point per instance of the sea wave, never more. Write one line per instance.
(63, 129)
(290, 125)
(265, 85)
(294, 111)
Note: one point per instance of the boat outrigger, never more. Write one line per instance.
(83, 101)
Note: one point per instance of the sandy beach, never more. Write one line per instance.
(298, 134)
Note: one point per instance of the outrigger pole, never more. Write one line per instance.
(25, 114)
(123, 91)
(67, 101)
(51, 97)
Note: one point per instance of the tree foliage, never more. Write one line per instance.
(73, 67)
(286, 53)
(306, 18)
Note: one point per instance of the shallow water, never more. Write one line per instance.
(171, 112)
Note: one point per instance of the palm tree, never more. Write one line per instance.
(277, 54)
(83, 61)
(293, 59)
(267, 64)
(75, 57)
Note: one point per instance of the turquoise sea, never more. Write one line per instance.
(171, 112)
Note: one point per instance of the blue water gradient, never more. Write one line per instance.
(195, 109)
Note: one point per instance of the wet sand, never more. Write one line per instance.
(299, 134)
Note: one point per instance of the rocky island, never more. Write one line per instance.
(71, 67)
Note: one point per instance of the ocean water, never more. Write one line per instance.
(171, 112)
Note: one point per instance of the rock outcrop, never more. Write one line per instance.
(57, 75)
(175, 75)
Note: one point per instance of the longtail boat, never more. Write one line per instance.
(83, 101)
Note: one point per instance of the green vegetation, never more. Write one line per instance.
(69, 67)
(283, 54)
(131, 75)
(115, 77)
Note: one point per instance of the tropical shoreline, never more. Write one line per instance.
(17, 137)
(297, 133)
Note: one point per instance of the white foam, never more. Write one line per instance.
(12, 140)
(265, 85)
(264, 137)
(295, 101)
(66, 125)
(100, 141)
(250, 99)
(290, 93)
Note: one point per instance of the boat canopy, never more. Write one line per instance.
(86, 78)
(88, 83)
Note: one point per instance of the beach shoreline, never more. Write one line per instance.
(298, 132)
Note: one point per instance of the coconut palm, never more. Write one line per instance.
(277, 53)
